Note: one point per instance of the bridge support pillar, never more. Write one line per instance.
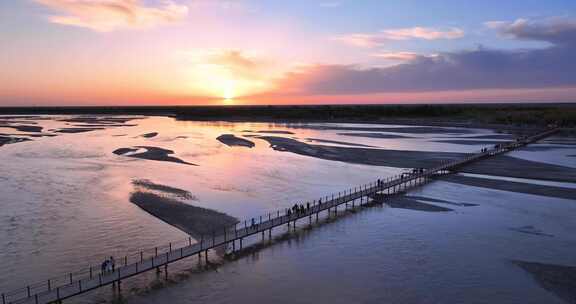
(240, 243)
(206, 255)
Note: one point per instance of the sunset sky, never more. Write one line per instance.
(131, 52)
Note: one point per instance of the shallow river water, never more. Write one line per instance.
(65, 206)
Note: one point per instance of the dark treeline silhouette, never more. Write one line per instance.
(563, 114)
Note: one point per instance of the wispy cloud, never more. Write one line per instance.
(550, 67)
(554, 30)
(396, 56)
(111, 15)
(379, 38)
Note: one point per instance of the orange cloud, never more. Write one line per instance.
(111, 15)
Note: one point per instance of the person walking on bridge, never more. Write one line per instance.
(104, 266)
(112, 264)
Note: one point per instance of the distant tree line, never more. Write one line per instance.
(509, 114)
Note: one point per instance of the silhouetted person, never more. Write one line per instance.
(104, 266)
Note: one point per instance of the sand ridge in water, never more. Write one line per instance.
(526, 188)
(151, 153)
(470, 142)
(558, 279)
(404, 202)
(376, 157)
(338, 142)
(5, 140)
(374, 135)
(414, 130)
(435, 200)
(503, 165)
(149, 135)
(231, 140)
(530, 230)
(195, 221)
(149, 185)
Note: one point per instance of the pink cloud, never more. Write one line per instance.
(375, 39)
(398, 56)
(111, 15)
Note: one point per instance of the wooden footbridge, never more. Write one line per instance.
(73, 284)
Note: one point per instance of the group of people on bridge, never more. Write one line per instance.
(109, 265)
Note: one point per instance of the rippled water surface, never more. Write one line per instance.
(65, 206)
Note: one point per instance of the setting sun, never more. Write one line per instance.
(228, 91)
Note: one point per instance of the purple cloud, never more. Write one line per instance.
(476, 69)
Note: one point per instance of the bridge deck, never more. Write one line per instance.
(47, 292)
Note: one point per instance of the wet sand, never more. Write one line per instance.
(538, 148)
(5, 140)
(414, 130)
(338, 142)
(151, 153)
(22, 128)
(144, 184)
(503, 165)
(374, 135)
(104, 119)
(193, 220)
(470, 142)
(149, 135)
(376, 157)
(530, 230)
(231, 140)
(494, 136)
(526, 188)
(435, 200)
(404, 202)
(558, 279)
(77, 130)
